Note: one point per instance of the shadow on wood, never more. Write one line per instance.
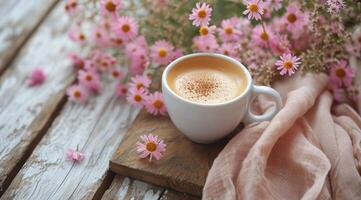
(185, 164)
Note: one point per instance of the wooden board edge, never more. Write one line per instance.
(189, 188)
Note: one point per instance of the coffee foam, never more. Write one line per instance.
(206, 86)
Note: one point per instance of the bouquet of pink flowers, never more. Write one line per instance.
(273, 38)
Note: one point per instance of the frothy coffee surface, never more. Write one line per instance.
(207, 81)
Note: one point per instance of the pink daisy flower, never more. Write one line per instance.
(105, 62)
(110, 7)
(162, 52)
(254, 9)
(117, 41)
(229, 30)
(37, 77)
(136, 96)
(140, 81)
(206, 31)
(341, 74)
(295, 19)
(201, 14)
(262, 38)
(75, 156)
(280, 44)
(77, 93)
(78, 61)
(205, 44)
(150, 145)
(76, 34)
(126, 28)
(116, 73)
(139, 62)
(138, 46)
(155, 104)
(100, 36)
(121, 90)
(71, 7)
(229, 49)
(90, 79)
(274, 4)
(288, 64)
(177, 53)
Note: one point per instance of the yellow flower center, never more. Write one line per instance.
(99, 35)
(288, 64)
(88, 77)
(226, 53)
(291, 18)
(137, 98)
(115, 74)
(264, 36)
(158, 104)
(340, 72)
(110, 6)
(151, 146)
(203, 30)
(228, 30)
(118, 41)
(126, 28)
(123, 90)
(162, 52)
(73, 4)
(202, 13)
(77, 94)
(82, 36)
(253, 7)
(140, 85)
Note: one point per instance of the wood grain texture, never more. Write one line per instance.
(173, 195)
(185, 164)
(95, 129)
(18, 20)
(25, 112)
(125, 188)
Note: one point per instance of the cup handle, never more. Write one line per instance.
(257, 90)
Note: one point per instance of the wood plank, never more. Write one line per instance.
(26, 113)
(96, 129)
(185, 164)
(125, 188)
(173, 195)
(19, 18)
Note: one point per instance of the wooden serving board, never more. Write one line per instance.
(185, 164)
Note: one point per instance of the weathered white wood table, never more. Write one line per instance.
(38, 125)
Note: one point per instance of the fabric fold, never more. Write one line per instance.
(310, 150)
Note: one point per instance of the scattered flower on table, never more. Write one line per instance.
(75, 156)
(100, 36)
(152, 146)
(154, 104)
(288, 64)
(78, 93)
(136, 96)
(37, 77)
(76, 34)
(341, 74)
(254, 9)
(201, 14)
(162, 52)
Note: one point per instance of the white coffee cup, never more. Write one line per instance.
(207, 123)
